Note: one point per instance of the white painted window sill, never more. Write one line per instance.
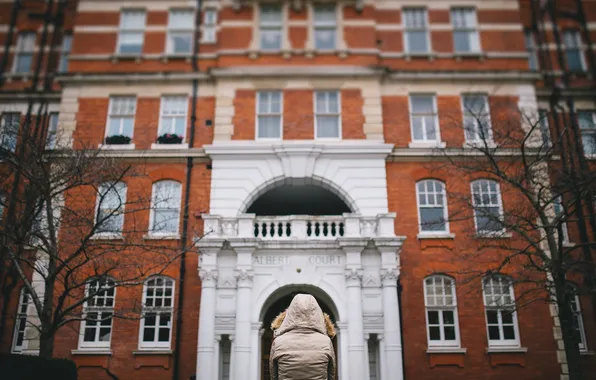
(91, 351)
(479, 144)
(568, 244)
(512, 350)
(161, 237)
(107, 236)
(444, 235)
(446, 350)
(591, 156)
(472, 54)
(427, 144)
(153, 351)
(116, 146)
(169, 146)
(493, 235)
(586, 352)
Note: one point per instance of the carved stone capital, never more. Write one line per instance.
(353, 277)
(244, 278)
(389, 277)
(208, 277)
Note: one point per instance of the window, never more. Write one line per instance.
(209, 26)
(432, 206)
(165, 210)
(325, 19)
(374, 369)
(65, 53)
(544, 128)
(52, 130)
(416, 30)
(499, 305)
(573, 50)
(180, 31)
(2, 204)
(225, 356)
(98, 310)
(158, 307)
(110, 208)
(269, 109)
(173, 115)
(423, 118)
(20, 323)
(24, 52)
(132, 30)
(441, 311)
(327, 114)
(561, 218)
(477, 124)
(465, 30)
(271, 26)
(9, 128)
(578, 320)
(587, 126)
(121, 115)
(531, 48)
(488, 209)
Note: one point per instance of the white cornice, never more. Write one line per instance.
(296, 71)
(130, 77)
(515, 76)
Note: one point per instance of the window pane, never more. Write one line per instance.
(325, 14)
(325, 39)
(462, 41)
(429, 122)
(492, 316)
(417, 42)
(327, 127)
(130, 42)
(433, 317)
(132, 20)
(448, 317)
(149, 334)
(422, 104)
(449, 333)
(24, 62)
(271, 39)
(181, 19)
(180, 42)
(269, 127)
(493, 333)
(589, 142)
(434, 333)
(432, 219)
(507, 317)
(508, 332)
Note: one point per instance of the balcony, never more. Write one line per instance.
(298, 227)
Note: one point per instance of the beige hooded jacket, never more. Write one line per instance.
(302, 348)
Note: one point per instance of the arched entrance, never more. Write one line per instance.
(276, 304)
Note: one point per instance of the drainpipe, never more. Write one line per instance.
(188, 181)
(401, 327)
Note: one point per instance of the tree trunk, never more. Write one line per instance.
(569, 333)
(46, 344)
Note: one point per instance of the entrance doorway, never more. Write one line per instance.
(280, 304)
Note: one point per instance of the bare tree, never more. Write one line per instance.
(518, 212)
(72, 230)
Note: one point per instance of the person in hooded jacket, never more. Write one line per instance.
(302, 348)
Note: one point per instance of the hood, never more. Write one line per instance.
(304, 312)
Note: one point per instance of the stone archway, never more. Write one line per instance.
(276, 304)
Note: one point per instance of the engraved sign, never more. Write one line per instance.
(280, 260)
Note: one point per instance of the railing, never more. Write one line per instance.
(298, 226)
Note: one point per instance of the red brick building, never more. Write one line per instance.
(307, 129)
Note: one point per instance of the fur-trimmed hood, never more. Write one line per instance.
(304, 312)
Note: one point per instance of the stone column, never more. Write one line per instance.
(342, 359)
(256, 333)
(355, 324)
(244, 277)
(392, 331)
(206, 365)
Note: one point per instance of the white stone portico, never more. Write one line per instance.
(349, 261)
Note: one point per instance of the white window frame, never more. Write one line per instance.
(424, 29)
(209, 27)
(164, 113)
(499, 205)
(328, 113)
(445, 207)
(159, 311)
(440, 308)
(477, 127)
(435, 114)
(509, 307)
(154, 207)
(576, 310)
(3, 121)
(321, 25)
(544, 126)
(472, 30)
(52, 132)
(530, 43)
(65, 49)
(121, 116)
(21, 318)
(270, 113)
(123, 29)
(21, 49)
(559, 209)
(94, 345)
(585, 131)
(177, 29)
(271, 26)
(102, 189)
(577, 41)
